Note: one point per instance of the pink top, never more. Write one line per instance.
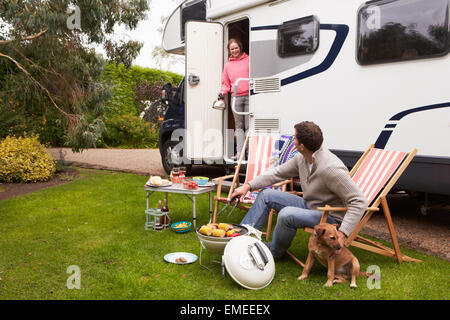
(234, 69)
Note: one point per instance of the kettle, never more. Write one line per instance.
(219, 104)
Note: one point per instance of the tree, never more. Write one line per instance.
(48, 69)
(159, 55)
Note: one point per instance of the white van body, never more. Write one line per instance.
(396, 105)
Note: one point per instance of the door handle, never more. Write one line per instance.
(193, 79)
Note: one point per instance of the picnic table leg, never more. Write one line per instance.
(210, 206)
(194, 213)
(149, 193)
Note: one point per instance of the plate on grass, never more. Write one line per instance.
(180, 257)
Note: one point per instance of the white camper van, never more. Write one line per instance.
(374, 72)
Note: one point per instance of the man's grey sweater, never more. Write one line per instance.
(328, 183)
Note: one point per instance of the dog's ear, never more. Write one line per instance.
(319, 230)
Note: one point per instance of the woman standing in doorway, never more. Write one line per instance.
(237, 67)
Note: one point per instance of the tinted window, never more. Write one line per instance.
(193, 10)
(300, 36)
(396, 30)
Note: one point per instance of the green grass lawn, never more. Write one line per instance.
(96, 222)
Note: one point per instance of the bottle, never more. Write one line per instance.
(159, 205)
(165, 218)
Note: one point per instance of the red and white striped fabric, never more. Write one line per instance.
(375, 171)
(259, 157)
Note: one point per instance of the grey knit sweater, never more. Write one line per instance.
(328, 183)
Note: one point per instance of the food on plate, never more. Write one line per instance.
(218, 233)
(225, 226)
(155, 180)
(190, 185)
(205, 230)
(180, 260)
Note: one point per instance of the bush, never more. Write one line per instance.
(24, 159)
(128, 131)
(127, 87)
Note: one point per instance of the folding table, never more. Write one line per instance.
(178, 188)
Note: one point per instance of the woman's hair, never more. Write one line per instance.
(309, 134)
(237, 41)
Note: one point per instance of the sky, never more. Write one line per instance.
(147, 32)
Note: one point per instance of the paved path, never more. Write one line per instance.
(139, 161)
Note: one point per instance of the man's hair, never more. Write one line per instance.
(309, 134)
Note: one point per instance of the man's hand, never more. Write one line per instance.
(241, 191)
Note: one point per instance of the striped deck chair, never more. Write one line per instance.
(287, 151)
(263, 155)
(375, 174)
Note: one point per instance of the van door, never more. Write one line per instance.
(204, 61)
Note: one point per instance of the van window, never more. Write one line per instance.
(397, 30)
(299, 36)
(192, 10)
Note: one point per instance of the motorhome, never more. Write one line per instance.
(374, 72)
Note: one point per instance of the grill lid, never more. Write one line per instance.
(249, 262)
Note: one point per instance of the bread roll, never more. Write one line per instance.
(156, 180)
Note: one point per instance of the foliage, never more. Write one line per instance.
(154, 112)
(24, 159)
(129, 131)
(132, 87)
(15, 120)
(48, 66)
(123, 52)
(97, 223)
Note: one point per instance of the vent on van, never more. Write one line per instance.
(261, 85)
(267, 125)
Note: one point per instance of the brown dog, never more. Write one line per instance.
(324, 246)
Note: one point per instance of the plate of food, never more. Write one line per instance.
(180, 257)
(157, 181)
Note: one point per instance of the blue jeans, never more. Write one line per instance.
(292, 214)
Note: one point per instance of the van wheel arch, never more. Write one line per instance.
(170, 159)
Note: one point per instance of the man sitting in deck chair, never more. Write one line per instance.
(324, 180)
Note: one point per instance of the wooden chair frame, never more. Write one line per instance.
(354, 238)
(235, 184)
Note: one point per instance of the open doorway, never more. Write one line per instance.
(238, 30)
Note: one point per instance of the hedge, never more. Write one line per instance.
(124, 81)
